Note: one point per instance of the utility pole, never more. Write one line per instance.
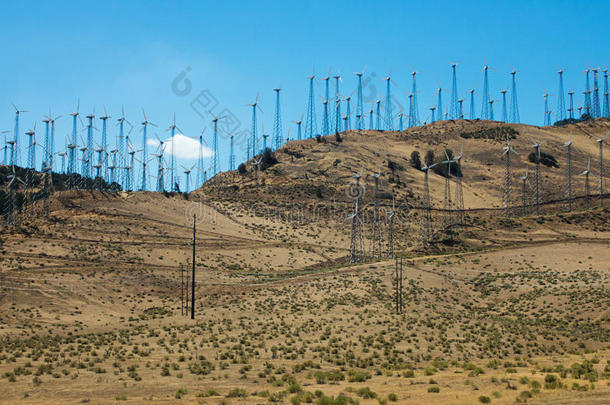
(193, 276)
(398, 276)
(182, 290)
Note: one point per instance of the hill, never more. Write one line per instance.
(501, 310)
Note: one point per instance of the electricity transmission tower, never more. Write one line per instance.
(356, 249)
(277, 121)
(536, 147)
(376, 240)
(569, 172)
(514, 106)
(507, 199)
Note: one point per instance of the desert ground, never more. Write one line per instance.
(499, 310)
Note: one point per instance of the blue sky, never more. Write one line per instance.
(130, 53)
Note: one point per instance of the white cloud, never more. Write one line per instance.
(184, 147)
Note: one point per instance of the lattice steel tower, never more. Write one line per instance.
(596, 108)
(587, 93)
(485, 100)
(310, 116)
(453, 106)
(414, 110)
(514, 105)
(389, 116)
(561, 107)
(376, 240)
(277, 121)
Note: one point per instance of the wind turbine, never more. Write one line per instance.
(507, 176)
(215, 164)
(459, 194)
(299, 125)
(569, 171)
(447, 201)
(524, 193)
(356, 249)
(601, 141)
(15, 153)
(390, 215)
(586, 173)
(144, 129)
(187, 173)
(536, 147)
(254, 136)
(427, 219)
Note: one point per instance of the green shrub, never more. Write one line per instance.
(484, 399)
(434, 389)
(237, 393)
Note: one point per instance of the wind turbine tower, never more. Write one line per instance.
(471, 91)
(601, 141)
(459, 194)
(277, 121)
(596, 109)
(376, 242)
(15, 151)
(504, 110)
(439, 103)
(561, 107)
(586, 173)
(310, 119)
(104, 145)
(587, 93)
(606, 112)
(427, 217)
(447, 200)
(389, 117)
(231, 154)
(571, 109)
(569, 172)
(88, 160)
(145, 124)
(359, 101)
(414, 113)
(356, 249)
(31, 134)
(485, 101)
(536, 147)
(514, 105)
(453, 106)
(508, 177)
(46, 160)
(254, 136)
(337, 106)
(199, 160)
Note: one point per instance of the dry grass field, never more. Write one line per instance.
(507, 311)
